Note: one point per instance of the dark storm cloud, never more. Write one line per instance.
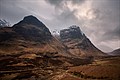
(113, 34)
(77, 1)
(59, 2)
(65, 17)
(55, 2)
(106, 16)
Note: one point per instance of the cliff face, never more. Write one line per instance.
(77, 43)
(72, 33)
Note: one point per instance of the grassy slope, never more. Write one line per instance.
(103, 69)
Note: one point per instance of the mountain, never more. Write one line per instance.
(30, 28)
(29, 35)
(115, 52)
(77, 43)
(32, 35)
(28, 51)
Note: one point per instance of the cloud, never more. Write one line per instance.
(113, 34)
(102, 24)
(61, 2)
(15, 10)
(99, 20)
(55, 2)
(10, 11)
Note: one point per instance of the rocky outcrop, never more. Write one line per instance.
(77, 43)
(72, 33)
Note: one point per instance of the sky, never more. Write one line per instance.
(99, 20)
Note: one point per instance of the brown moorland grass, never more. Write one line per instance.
(107, 68)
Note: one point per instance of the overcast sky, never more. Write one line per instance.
(98, 19)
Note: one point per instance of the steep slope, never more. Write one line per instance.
(30, 28)
(29, 35)
(77, 43)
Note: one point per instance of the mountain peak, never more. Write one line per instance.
(74, 27)
(77, 43)
(30, 17)
(30, 28)
(31, 20)
(72, 32)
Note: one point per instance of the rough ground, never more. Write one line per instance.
(102, 69)
(40, 66)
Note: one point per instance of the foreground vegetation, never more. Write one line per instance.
(51, 66)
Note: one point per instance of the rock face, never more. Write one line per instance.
(72, 33)
(77, 43)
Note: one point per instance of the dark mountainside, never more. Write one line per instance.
(28, 51)
(29, 35)
(30, 28)
(77, 43)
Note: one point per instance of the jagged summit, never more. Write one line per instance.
(30, 17)
(31, 20)
(72, 32)
(75, 27)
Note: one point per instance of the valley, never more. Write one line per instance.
(44, 67)
(28, 51)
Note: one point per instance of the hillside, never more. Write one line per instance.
(29, 35)
(77, 43)
(28, 51)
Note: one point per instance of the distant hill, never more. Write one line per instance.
(115, 52)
